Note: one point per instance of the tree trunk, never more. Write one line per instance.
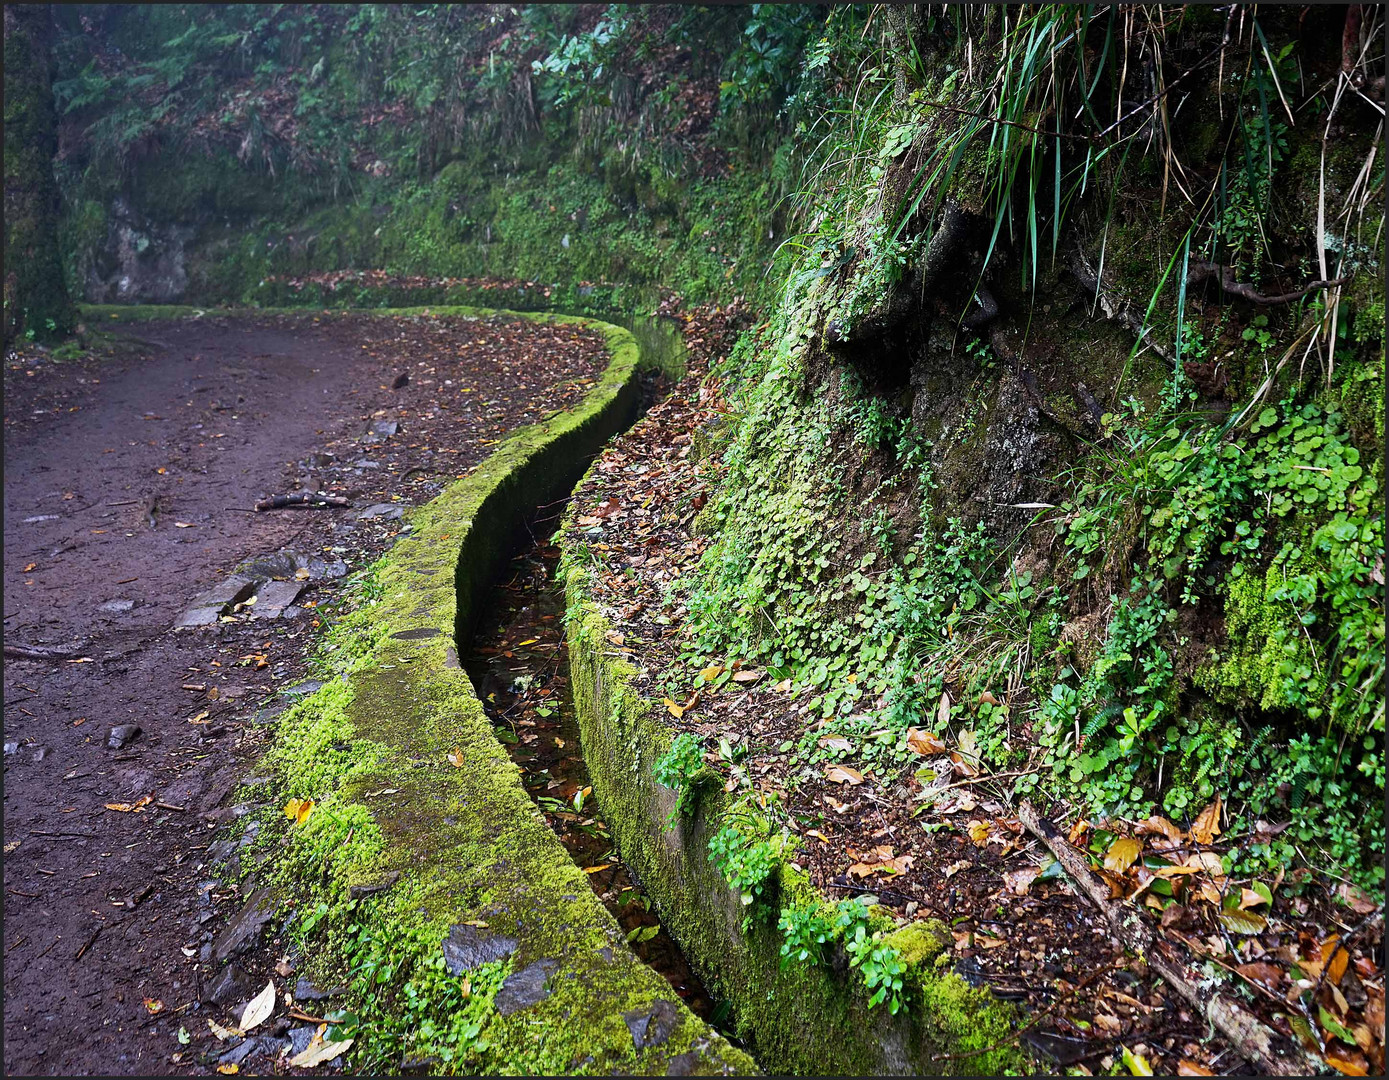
(36, 297)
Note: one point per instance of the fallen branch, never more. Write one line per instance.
(36, 652)
(1256, 1042)
(314, 499)
(1225, 275)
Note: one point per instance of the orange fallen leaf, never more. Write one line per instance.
(1206, 827)
(299, 810)
(1078, 831)
(924, 743)
(1020, 881)
(135, 807)
(818, 835)
(1348, 1064)
(456, 758)
(979, 832)
(595, 869)
(1159, 826)
(31, 566)
(230, 1069)
(675, 710)
(154, 1005)
(1357, 898)
(836, 742)
(843, 774)
(1186, 1067)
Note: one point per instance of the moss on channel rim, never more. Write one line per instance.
(806, 1019)
(457, 843)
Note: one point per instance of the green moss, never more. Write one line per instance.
(412, 791)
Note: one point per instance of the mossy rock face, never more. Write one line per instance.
(804, 1018)
(423, 856)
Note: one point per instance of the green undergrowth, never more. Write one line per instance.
(1187, 601)
(814, 985)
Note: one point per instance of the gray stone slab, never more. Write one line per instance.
(274, 596)
(525, 988)
(383, 511)
(199, 616)
(467, 947)
(246, 928)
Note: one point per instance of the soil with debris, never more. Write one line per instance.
(131, 477)
(942, 838)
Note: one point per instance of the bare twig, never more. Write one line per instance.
(1225, 275)
(307, 498)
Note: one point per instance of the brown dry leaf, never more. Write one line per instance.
(1110, 1026)
(1175, 871)
(1348, 1063)
(1242, 922)
(843, 774)
(1206, 827)
(1336, 968)
(1261, 972)
(134, 807)
(943, 710)
(456, 758)
(1208, 861)
(955, 867)
(979, 831)
(818, 835)
(747, 675)
(836, 742)
(783, 687)
(1358, 899)
(964, 765)
(1020, 881)
(675, 710)
(224, 1033)
(983, 941)
(1248, 898)
(1159, 826)
(1122, 854)
(987, 698)
(1117, 886)
(835, 805)
(1187, 1067)
(924, 743)
(1078, 831)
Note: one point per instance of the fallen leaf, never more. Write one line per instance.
(154, 1005)
(1108, 1024)
(711, 673)
(127, 808)
(302, 574)
(1137, 1064)
(224, 1033)
(783, 687)
(1347, 1064)
(259, 1008)
(456, 758)
(675, 710)
(229, 1069)
(955, 867)
(1187, 1067)
(1359, 900)
(835, 805)
(1159, 826)
(12, 845)
(1208, 861)
(1248, 898)
(1261, 972)
(1020, 881)
(31, 566)
(979, 832)
(1242, 922)
(299, 810)
(836, 742)
(987, 698)
(595, 869)
(1206, 827)
(943, 710)
(318, 1051)
(184, 525)
(842, 774)
(383, 791)
(1122, 854)
(818, 835)
(747, 676)
(924, 743)
(1078, 831)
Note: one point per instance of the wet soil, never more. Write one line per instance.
(519, 665)
(130, 477)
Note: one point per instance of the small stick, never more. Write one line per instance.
(306, 498)
(34, 652)
(88, 945)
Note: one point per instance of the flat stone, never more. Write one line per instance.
(467, 947)
(121, 735)
(202, 616)
(117, 606)
(684, 1064)
(232, 984)
(525, 988)
(41, 753)
(305, 990)
(418, 634)
(279, 564)
(300, 1037)
(303, 689)
(246, 927)
(383, 429)
(382, 511)
(239, 1053)
(274, 596)
(233, 590)
(11, 748)
(651, 1027)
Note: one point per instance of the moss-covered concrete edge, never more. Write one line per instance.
(806, 1018)
(421, 827)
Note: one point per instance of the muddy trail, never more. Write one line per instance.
(131, 476)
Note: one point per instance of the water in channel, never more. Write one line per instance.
(519, 665)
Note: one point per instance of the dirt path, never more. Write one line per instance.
(129, 481)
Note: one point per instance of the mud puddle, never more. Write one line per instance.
(519, 665)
